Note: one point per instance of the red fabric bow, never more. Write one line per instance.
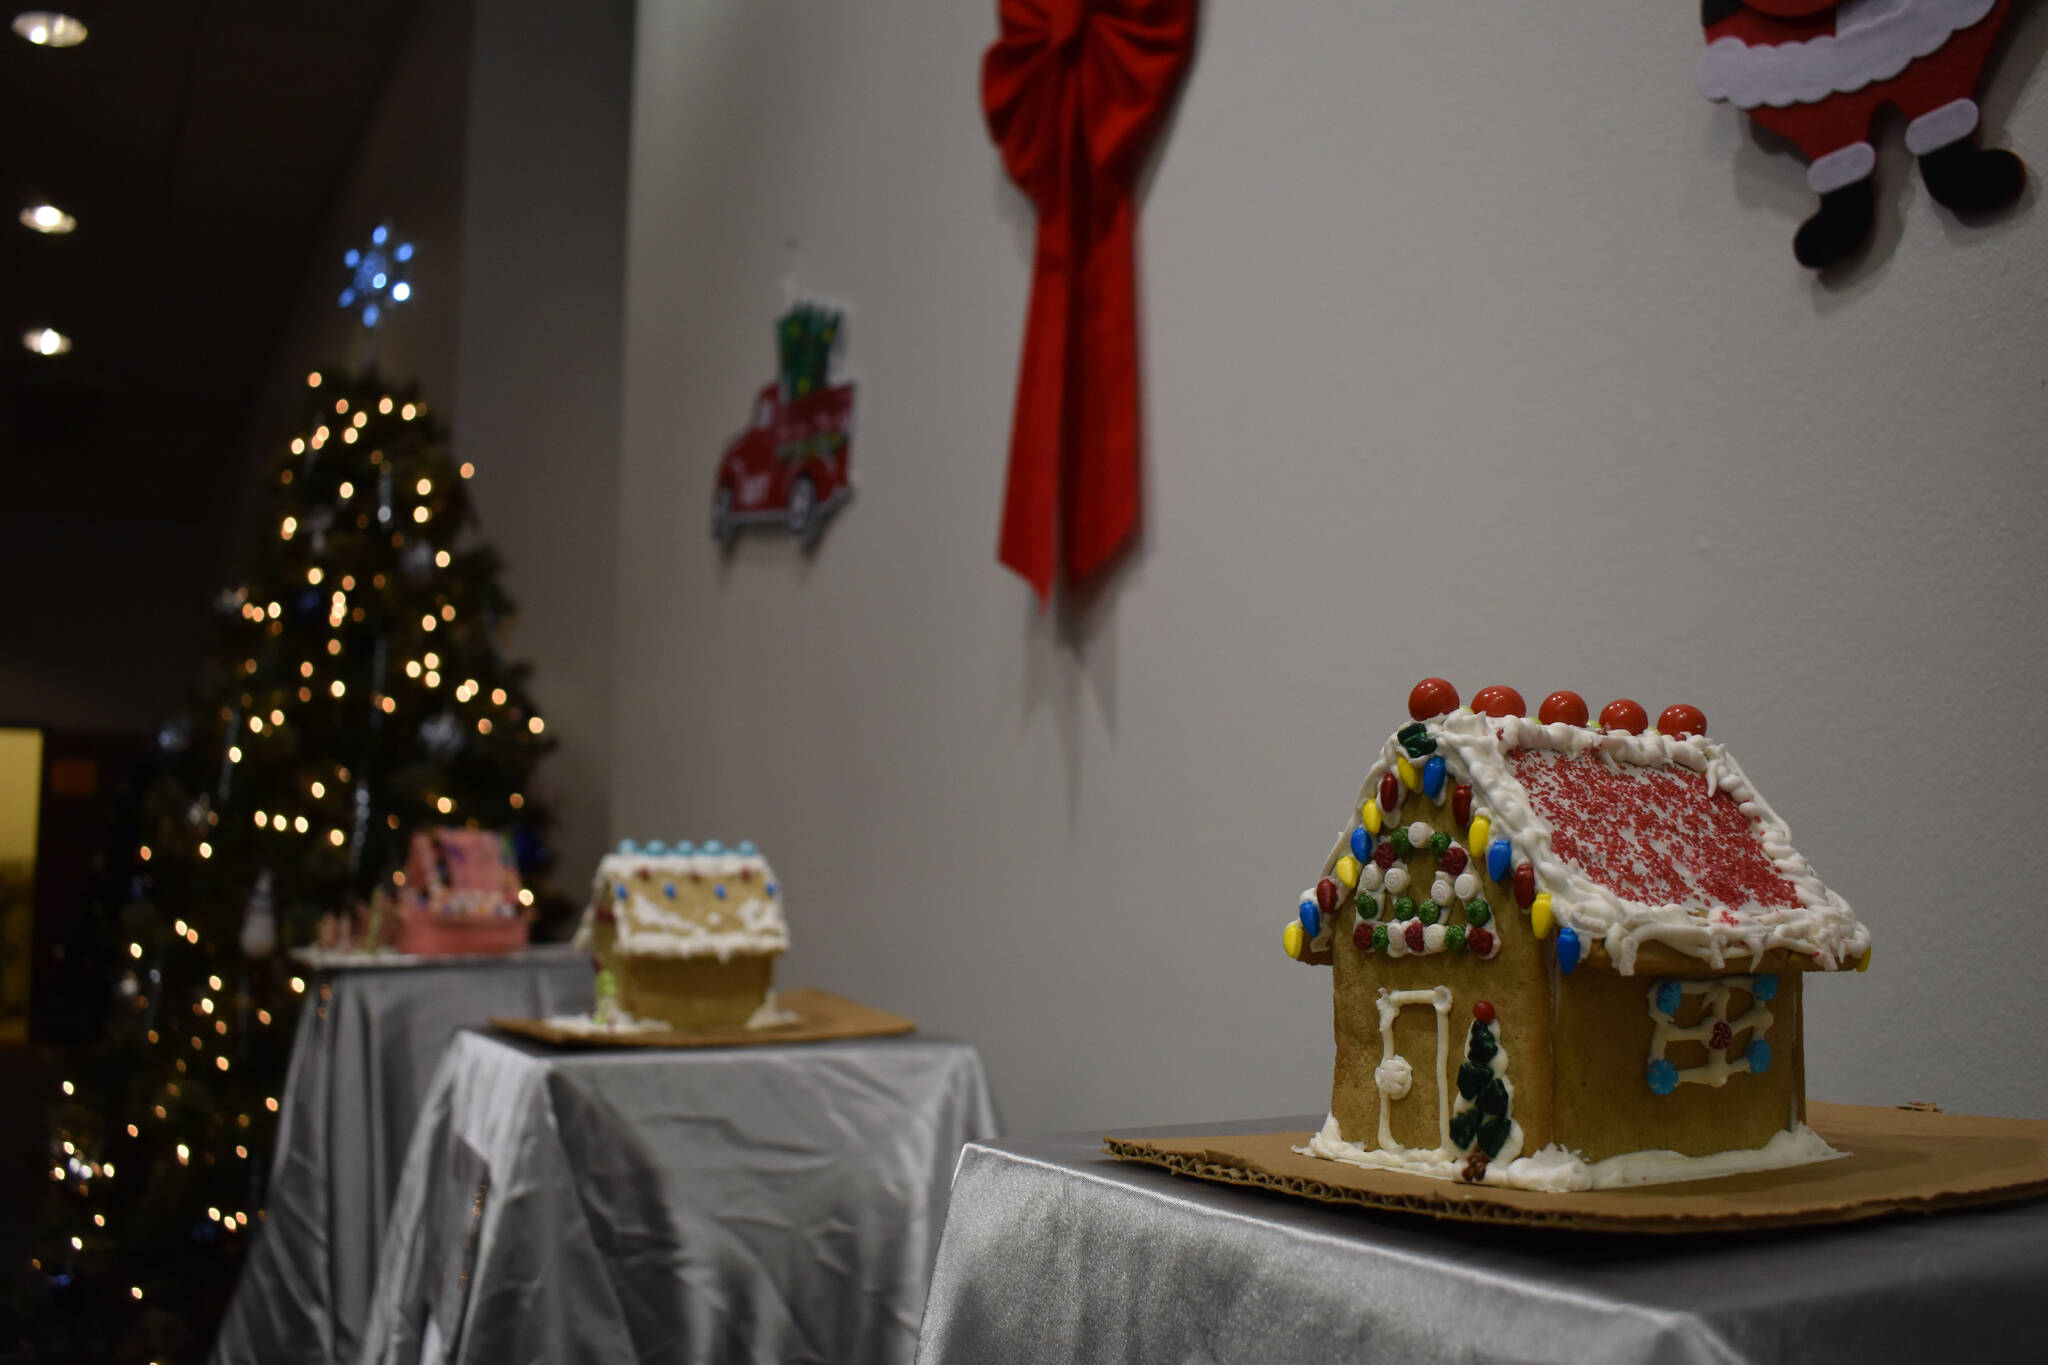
(1074, 91)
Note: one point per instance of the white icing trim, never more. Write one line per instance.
(1556, 1169)
(1438, 998)
(1475, 749)
(1874, 41)
(1715, 1071)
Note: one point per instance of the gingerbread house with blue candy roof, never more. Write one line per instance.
(1567, 955)
(686, 934)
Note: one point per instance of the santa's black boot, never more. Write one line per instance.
(1973, 180)
(1840, 226)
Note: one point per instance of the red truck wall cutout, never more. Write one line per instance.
(790, 467)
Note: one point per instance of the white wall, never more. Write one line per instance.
(1474, 349)
(541, 326)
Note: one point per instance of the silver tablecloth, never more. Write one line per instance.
(361, 1061)
(766, 1203)
(1055, 1252)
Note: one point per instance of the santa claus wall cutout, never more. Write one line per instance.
(1817, 72)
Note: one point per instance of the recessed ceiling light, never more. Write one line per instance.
(47, 218)
(47, 28)
(46, 341)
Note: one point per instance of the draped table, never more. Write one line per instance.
(1055, 1251)
(366, 1046)
(774, 1202)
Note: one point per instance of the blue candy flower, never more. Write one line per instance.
(1670, 995)
(1759, 1055)
(1662, 1076)
(1764, 988)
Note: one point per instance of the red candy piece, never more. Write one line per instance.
(1525, 885)
(1432, 697)
(1326, 895)
(1384, 855)
(1390, 791)
(1413, 933)
(1625, 717)
(1461, 804)
(1479, 942)
(1722, 1036)
(1453, 860)
(1482, 1010)
(1499, 701)
(1362, 936)
(1568, 707)
(1682, 720)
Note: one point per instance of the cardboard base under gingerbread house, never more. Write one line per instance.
(1898, 1160)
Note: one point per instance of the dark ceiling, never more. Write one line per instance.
(200, 146)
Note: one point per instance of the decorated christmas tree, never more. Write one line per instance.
(357, 693)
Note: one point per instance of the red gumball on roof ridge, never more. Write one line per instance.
(1499, 702)
(1680, 721)
(1432, 697)
(1625, 717)
(1568, 707)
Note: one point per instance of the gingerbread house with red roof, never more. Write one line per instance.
(1567, 955)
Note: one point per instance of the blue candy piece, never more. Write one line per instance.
(770, 888)
(1311, 918)
(1500, 857)
(1662, 1076)
(746, 848)
(654, 848)
(686, 849)
(720, 893)
(669, 889)
(1567, 949)
(713, 846)
(1361, 843)
(627, 847)
(620, 891)
(1670, 995)
(1764, 988)
(1433, 776)
(1759, 1055)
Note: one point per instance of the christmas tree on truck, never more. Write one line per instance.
(790, 465)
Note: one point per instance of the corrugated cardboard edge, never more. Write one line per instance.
(821, 1018)
(1899, 1161)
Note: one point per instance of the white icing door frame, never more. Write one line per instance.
(1395, 1074)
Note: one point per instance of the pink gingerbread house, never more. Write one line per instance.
(461, 894)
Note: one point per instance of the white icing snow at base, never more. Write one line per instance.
(1557, 1169)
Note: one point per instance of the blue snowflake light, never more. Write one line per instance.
(377, 275)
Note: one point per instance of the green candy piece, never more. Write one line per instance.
(1454, 937)
(1493, 1134)
(1482, 1046)
(1414, 729)
(1399, 839)
(1419, 748)
(1429, 912)
(1379, 938)
(1438, 842)
(1478, 911)
(1473, 1078)
(1404, 907)
(1464, 1128)
(1367, 907)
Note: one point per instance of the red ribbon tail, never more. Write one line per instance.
(1030, 538)
(1100, 487)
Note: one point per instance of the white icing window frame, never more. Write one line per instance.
(1722, 1062)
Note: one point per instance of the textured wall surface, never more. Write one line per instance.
(1470, 349)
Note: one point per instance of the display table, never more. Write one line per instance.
(776, 1202)
(365, 1049)
(1055, 1251)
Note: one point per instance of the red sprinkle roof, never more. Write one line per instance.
(1651, 835)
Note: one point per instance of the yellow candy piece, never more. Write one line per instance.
(1346, 872)
(1409, 777)
(1296, 939)
(1539, 915)
(1481, 828)
(1370, 814)
(1863, 963)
